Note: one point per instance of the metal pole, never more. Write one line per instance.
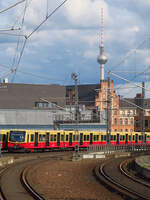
(75, 78)
(108, 112)
(143, 112)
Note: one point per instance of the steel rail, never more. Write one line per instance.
(111, 183)
(2, 171)
(27, 186)
(122, 169)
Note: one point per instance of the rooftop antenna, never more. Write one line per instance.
(102, 59)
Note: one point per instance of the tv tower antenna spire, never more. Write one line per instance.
(102, 59)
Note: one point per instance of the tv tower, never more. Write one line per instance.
(102, 59)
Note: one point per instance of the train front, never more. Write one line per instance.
(16, 141)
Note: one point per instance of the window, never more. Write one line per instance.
(126, 121)
(62, 137)
(74, 138)
(41, 138)
(146, 123)
(88, 137)
(55, 137)
(131, 121)
(115, 112)
(45, 104)
(32, 138)
(67, 138)
(121, 122)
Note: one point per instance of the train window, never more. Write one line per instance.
(114, 137)
(62, 137)
(77, 137)
(0, 138)
(74, 138)
(67, 138)
(123, 137)
(41, 137)
(27, 138)
(94, 137)
(51, 138)
(88, 137)
(140, 137)
(55, 137)
(102, 137)
(32, 138)
(133, 137)
(148, 138)
(84, 138)
(129, 137)
(97, 137)
(111, 137)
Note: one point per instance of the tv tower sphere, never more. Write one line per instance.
(102, 59)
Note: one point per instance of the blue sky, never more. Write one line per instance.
(69, 41)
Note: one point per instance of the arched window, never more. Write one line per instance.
(126, 121)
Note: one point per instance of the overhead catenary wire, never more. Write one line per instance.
(46, 19)
(11, 6)
(27, 37)
(111, 73)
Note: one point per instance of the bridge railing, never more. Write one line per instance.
(118, 148)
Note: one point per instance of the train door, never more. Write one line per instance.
(91, 138)
(70, 139)
(144, 140)
(81, 138)
(117, 138)
(5, 140)
(136, 138)
(36, 139)
(58, 139)
(47, 139)
(126, 139)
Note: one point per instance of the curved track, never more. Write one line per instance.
(115, 178)
(10, 185)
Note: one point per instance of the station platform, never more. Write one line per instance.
(142, 165)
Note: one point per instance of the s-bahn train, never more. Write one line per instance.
(30, 140)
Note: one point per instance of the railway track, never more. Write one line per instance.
(13, 179)
(112, 174)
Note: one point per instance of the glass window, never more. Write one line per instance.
(74, 138)
(51, 138)
(126, 121)
(88, 137)
(32, 138)
(17, 136)
(67, 137)
(104, 137)
(55, 137)
(62, 137)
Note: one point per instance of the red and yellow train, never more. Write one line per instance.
(29, 140)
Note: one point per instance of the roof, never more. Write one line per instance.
(24, 96)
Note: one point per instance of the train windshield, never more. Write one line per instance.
(17, 136)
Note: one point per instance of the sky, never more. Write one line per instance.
(68, 42)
